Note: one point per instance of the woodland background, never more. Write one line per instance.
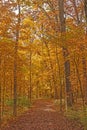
(43, 54)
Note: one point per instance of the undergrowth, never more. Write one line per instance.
(80, 115)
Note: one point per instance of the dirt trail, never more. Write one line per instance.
(42, 116)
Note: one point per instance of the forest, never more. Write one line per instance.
(43, 56)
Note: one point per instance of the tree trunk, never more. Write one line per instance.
(3, 93)
(65, 54)
(84, 59)
(60, 78)
(0, 95)
(85, 8)
(15, 63)
(30, 77)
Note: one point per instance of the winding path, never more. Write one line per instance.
(42, 116)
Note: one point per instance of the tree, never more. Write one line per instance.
(65, 53)
(0, 94)
(15, 59)
(83, 58)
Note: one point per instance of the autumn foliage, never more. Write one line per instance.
(43, 53)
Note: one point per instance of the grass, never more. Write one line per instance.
(80, 115)
(21, 102)
(22, 105)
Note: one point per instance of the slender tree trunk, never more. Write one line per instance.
(37, 90)
(0, 95)
(0, 105)
(30, 77)
(85, 8)
(83, 58)
(65, 54)
(11, 88)
(59, 74)
(15, 62)
(3, 95)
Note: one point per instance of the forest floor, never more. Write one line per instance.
(43, 115)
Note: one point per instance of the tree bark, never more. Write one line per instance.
(3, 93)
(0, 95)
(30, 77)
(85, 8)
(15, 62)
(65, 54)
(84, 59)
(60, 77)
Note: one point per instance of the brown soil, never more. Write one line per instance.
(42, 116)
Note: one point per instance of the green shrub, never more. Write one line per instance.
(81, 115)
(9, 102)
(21, 102)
